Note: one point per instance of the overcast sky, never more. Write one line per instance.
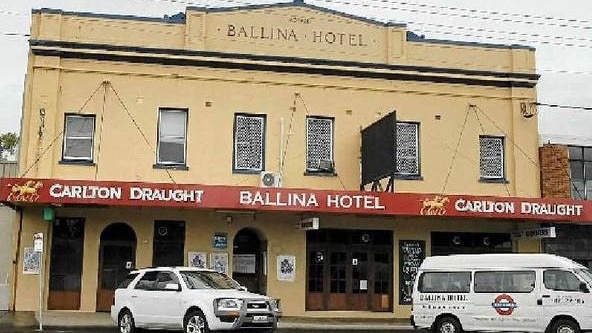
(561, 32)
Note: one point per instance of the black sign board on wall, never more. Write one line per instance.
(411, 255)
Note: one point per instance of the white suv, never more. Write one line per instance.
(196, 300)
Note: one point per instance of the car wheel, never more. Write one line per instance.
(195, 322)
(126, 322)
(448, 325)
(565, 326)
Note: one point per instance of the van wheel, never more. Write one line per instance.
(126, 322)
(565, 326)
(448, 325)
(195, 322)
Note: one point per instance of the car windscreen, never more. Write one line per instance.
(208, 280)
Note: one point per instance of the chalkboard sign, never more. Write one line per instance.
(411, 254)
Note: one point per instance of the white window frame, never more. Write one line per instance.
(235, 143)
(502, 172)
(416, 157)
(332, 144)
(181, 137)
(68, 137)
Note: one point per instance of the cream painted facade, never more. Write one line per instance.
(285, 61)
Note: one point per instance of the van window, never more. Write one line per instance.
(561, 280)
(504, 282)
(445, 282)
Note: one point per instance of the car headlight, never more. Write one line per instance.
(229, 304)
(274, 304)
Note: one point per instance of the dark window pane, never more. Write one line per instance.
(171, 152)
(588, 153)
(575, 153)
(577, 170)
(578, 191)
(588, 170)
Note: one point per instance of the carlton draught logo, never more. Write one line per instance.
(504, 305)
(434, 206)
(26, 192)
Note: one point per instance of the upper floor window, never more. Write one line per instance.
(408, 149)
(580, 162)
(172, 136)
(319, 144)
(79, 138)
(491, 160)
(249, 140)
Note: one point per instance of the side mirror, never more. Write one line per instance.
(172, 286)
(584, 288)
(242, 288)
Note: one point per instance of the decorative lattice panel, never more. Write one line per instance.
(319, 141)
(248, 142)
(491, 159)
(407, 148)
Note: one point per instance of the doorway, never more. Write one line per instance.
(117, 256)
(349, 270)
(249, 260)
(65, 268)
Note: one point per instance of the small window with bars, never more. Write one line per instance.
(79, 134)
(491, 159)
(249, 139)
(319, 144)
(407, 149)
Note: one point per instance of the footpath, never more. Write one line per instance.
(65, 321)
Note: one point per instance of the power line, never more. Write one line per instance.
(573, 107)
(437, 11)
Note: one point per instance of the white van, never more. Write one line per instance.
(502, 292)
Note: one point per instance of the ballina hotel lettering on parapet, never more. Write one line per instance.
(292, 35)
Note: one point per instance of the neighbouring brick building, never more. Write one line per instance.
(566, 172)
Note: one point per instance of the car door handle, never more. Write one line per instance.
(546, 296)
(134, 296)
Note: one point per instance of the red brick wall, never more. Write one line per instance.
(554, 163)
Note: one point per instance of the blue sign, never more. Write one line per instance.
(220, 241)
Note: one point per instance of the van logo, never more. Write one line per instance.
(434, 206)
(504, 305)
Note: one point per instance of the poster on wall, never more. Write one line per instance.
(286, 268)
(244, 263)
(197, 259)
(411, 255)
(31, 261)
(220, 240)
(219, 262)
